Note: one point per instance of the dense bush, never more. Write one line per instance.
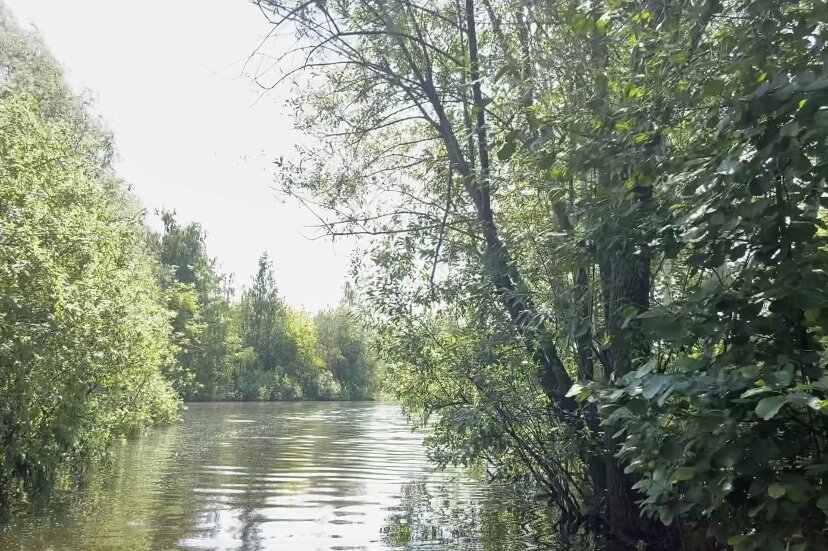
(595, 245)
(83, 338)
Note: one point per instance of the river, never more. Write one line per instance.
(298, 476)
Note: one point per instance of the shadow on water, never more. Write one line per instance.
(301, 476)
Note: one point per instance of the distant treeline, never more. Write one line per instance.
(257, 348)
(106, 326)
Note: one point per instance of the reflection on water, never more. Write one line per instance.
(300, 476)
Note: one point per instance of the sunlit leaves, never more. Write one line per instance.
(85, 336)
(661, 200)
(767, 408)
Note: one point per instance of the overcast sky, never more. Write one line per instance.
(190, 132)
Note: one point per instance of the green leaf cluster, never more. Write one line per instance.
(85, 339)
(594, 246)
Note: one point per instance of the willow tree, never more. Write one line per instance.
(557, 192)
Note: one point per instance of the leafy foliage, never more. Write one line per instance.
(84, 338)
(256, 348)
(204, 321)
(103, 326)
(292, 356)
(594, 245)
(727, 421)
(345, 348)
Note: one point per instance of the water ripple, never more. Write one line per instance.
(305, 476)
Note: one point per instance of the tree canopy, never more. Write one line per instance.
(595, 244)
(85, 340)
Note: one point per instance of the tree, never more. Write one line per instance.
(284, 343)
(261, 322)
(85, 340)
(344, 346)
(558, 192)
(204, 321)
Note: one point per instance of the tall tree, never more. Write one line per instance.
(262, 315)
(558, 191)
(344, 346)
(85, 338)
(204, 321)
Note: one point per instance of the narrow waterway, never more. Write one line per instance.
(282, 476)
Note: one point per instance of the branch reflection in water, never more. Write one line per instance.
(311, 475)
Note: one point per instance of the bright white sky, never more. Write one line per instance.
(191, 135)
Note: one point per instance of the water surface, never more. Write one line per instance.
(298, 476)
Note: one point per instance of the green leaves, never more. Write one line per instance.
(776, 490)
(575, 390)
(728, 167)
(683, 474)
(756, 390)
(510, 145)
(714, 87)
(204, 320)
(580, 391)
(86, 341)
(822, 503)
(507, 150)
(767, 408)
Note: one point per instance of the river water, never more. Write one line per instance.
(282, 476)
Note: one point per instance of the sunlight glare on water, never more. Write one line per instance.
(299, 476)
